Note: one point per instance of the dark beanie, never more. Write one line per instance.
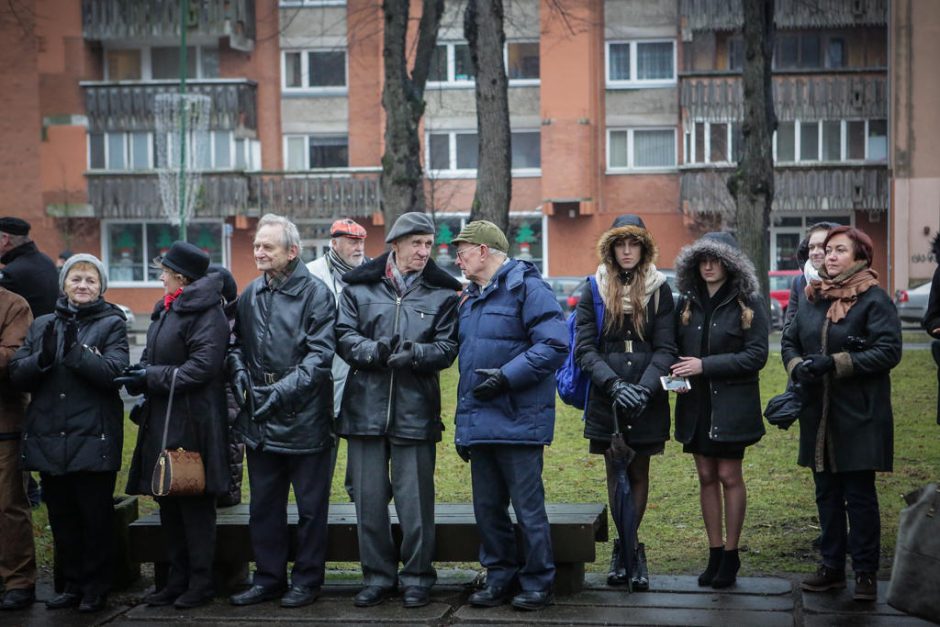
(229, 287)
(185, 258)
(14, 226)
(628, 219)
(724, 237)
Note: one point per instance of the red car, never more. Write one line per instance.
(780, 281)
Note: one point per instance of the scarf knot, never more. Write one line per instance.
(842, 290)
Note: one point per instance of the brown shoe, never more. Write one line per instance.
(825, 579)
(866, 587)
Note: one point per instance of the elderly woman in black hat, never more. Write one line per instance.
(74, 430)
(188, 335)
(722, 332)
(625, 355)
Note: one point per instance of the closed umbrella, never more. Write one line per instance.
(623, 509)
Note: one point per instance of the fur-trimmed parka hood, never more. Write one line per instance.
(605, 245)
(723, 247)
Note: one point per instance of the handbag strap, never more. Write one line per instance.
(169, 407)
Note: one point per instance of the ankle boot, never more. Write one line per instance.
(714, 561)
(617, 574)
(728, 571)
(640, 579)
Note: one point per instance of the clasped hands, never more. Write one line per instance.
(631, 396)
(813, 368)
(394, 353)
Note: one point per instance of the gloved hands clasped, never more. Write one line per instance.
(240, 385)
(384, 347)
(134, 379)
(630, 396)
(403, 357)
(812, 369)
(48, 346)
(495, 384)
(267, 401)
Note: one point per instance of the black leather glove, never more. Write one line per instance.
(70, 337)
(403, 357)
(463, 452)
(642, 396)
(624, 394)
(384, 347)
(48, 346)
(820, 364)
(134, 380)
(802, 374)
(267, 401)
(240, 385)
(494, 384)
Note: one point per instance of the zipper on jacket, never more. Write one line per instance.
(711, 421)
(391, 379)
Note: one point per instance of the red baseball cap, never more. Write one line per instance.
(346, 227)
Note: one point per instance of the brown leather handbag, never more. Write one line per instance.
(177, 472)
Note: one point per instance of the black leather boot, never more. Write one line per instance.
(728, 571)
(640, 579)
(714, 561)
(616, 574)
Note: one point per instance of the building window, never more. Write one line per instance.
(713, 142)
(160, 63)
(457, 152)
(831, 141)
(315, 70)
(797, 51)
(120, 151)
(522, 61)
(123, 64)
(641, 63)
(129, 247)
(314, 152)
(525, 235)
(786, 232)
(218, 152)
(450, 64)
(641, 149)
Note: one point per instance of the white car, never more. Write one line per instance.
(127, 314)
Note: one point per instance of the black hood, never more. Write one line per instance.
(203, 293)
(374, 271)
(96, 310)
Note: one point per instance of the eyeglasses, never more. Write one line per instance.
(461, 253)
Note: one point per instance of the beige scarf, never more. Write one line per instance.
(653, 280)
(842, 290)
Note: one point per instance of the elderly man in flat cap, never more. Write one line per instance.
(26, 271)
(397, 329)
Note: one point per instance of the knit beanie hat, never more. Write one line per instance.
(86, 258)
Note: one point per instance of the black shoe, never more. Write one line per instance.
(64, 601)
(640, 578)
(416, 596)
(490, 596)
(162, 598)
(866, 587)
(728, 571)
(256, 594)
(192, 598)
(299, 596)
(372, 595)
(93, 603)
(714, 561)
(18, 599)
(616, 574)
(532, 600)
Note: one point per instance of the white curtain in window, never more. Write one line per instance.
(618, 149)
(619, 55)
(652, 149)
(654, 61)
(296, 147)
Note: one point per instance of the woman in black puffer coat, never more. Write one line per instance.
(74, 430)
(636, 347)
(189, 334)
(721, 330)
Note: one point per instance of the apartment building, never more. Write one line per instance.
(615, 106)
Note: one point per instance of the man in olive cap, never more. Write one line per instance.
(512, 339)
(397, 329)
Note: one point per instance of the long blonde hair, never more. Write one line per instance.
(635, 288)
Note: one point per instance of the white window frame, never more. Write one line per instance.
(521, 82)
(816, 216)
(843, 142)
(146, 62)
(306, 89)
(461, 173)
(311, 3)
(464, 218)
(690, 144)
(634, 83)
(106, 252)
(126, 148)
(451, 82)
(307, 137)
(630, 156)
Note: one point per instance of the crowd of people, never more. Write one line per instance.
(350, 347)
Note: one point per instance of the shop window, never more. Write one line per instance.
(131, 246)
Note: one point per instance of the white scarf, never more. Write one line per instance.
(653, 280)
(811, 273)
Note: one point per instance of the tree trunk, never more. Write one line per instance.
(752, 185)
(403, 101)
(483, 28)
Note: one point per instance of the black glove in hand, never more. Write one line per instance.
(494, 384)
(70, 338)
(48, 346)
(463, 452)
(403, 357)
(267, 401)
(241, 387)
(820, 364)
(384, 347)
(134, 380)
(802, 374)
(623, 394)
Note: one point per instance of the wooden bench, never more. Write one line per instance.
(575, 528)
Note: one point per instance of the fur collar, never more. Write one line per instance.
(740, 270)
(605, 246)
(373, 271)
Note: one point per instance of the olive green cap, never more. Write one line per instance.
(483, 232)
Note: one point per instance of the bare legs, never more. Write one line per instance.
(717, 476)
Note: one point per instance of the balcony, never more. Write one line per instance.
(144, 20)
(128, 106)
(720, 98)
(118, 195)
(817, 188)
(726, 15)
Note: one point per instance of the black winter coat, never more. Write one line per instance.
(403, 403)
(858, 433)
(32, 275)
(75, 419)
(191, 336)
(607, 361)
(285, 336)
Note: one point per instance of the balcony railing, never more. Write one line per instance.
(801, 97)
(126, 106)
(120, 195)
(143, 20)
(724, 15)
(816, 188)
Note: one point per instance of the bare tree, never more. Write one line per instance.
(483, 29)
(752, 185)
(403, 100)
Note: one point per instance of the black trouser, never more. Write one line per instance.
(935, 349)
(189, 528)
(853, 495)
(271, 476)
(81, 514)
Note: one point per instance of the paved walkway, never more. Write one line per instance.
(676, 600)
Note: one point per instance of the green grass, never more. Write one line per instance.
(781, 519)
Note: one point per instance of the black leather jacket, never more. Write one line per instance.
(404, 403)
(284, 337)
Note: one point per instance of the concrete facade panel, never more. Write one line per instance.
(637, 19)
(313, 27)
(309, 115)
(653, 106)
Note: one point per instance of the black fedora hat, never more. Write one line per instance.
(190, 261)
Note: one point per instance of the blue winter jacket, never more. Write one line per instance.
(516, 325)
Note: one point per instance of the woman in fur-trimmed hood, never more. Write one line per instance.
(721, 330)
(625, 355)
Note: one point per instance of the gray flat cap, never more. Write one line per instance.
(409, 224)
